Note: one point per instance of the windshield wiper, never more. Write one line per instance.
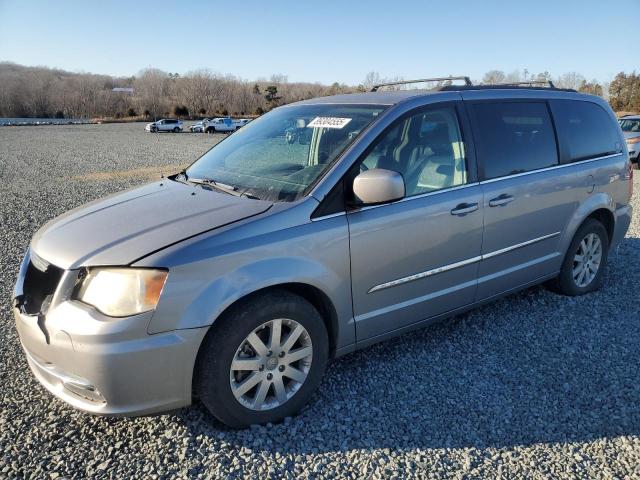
(208, 182)
(223, 187)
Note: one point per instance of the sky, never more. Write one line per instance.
(324, 41)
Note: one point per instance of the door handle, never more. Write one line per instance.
(464, 208)
(501, 200)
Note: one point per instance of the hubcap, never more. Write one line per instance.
(271, 364)
(586, 261)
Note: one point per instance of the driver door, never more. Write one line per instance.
(417, 258)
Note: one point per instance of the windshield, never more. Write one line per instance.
(630, 125)
(277, 156)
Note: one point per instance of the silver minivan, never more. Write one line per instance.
(320, 228)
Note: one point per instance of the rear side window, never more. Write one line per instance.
(513, 137)
(584, 130)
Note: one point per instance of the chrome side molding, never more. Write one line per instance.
(462, 263)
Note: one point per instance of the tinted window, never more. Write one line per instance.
(631, 126)
(585, 130)
(426, 148)
(513, 137)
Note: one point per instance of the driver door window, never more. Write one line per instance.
(425, 148)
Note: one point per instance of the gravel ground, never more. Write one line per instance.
(532, 386)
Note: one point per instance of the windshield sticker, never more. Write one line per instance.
(328, 122)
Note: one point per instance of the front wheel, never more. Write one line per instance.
(176, 130)
(262, 361)
(585, 261)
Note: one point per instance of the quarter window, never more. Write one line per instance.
(425, 148)
(513, 137)
(585, 130)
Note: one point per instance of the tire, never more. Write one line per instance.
(228, 340)
(176, 130)
(566, 282)
(154, 129)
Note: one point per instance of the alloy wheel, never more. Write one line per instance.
(586, 261)
(271, 364)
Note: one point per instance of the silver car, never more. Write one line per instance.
(630, 126)
(238, 279)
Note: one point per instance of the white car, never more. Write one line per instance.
(165, 125)
(198, 127)
(220, 124)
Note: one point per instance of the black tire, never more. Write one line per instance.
(212, 374)
(564, 283)
(154, 129)
(176, 130)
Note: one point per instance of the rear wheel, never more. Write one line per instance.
(176, 130)
(263, 360)
(584, 264)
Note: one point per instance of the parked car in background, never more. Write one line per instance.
(239, 278)
(198, 127)
(630, 126)
(165, 125)
(219, 125)
(241, 122)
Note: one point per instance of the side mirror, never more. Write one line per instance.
(378, 186)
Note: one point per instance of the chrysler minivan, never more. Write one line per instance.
(236, 280)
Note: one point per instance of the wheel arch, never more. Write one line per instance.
(599, 206)
(604, 216)
(315, 296)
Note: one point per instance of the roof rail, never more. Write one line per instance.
(467, 81)
(529, 83)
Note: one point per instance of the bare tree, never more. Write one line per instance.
(493, 77)
(372, 78)
(152, 86)
(570, 80)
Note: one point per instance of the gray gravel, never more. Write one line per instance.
(533, 386)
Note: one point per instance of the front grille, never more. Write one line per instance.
(40, 283)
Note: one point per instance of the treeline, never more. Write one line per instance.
(623, 92)
(44, 92)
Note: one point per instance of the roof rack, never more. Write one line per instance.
(467, 81)
(529, 83)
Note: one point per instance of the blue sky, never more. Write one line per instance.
(324, 41)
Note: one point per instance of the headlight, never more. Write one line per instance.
(120, 292)
(633, 140)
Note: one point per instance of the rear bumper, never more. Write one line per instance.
(622, 222)
(106, 366)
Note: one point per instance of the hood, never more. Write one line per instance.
(124, 227)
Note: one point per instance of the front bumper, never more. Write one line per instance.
(109, 366)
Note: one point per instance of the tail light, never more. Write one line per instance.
(630, 178)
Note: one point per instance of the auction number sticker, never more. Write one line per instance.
(328, 122)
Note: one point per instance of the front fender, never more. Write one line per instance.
(206, 276)
(234, 285)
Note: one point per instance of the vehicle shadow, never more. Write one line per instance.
(534, 367)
